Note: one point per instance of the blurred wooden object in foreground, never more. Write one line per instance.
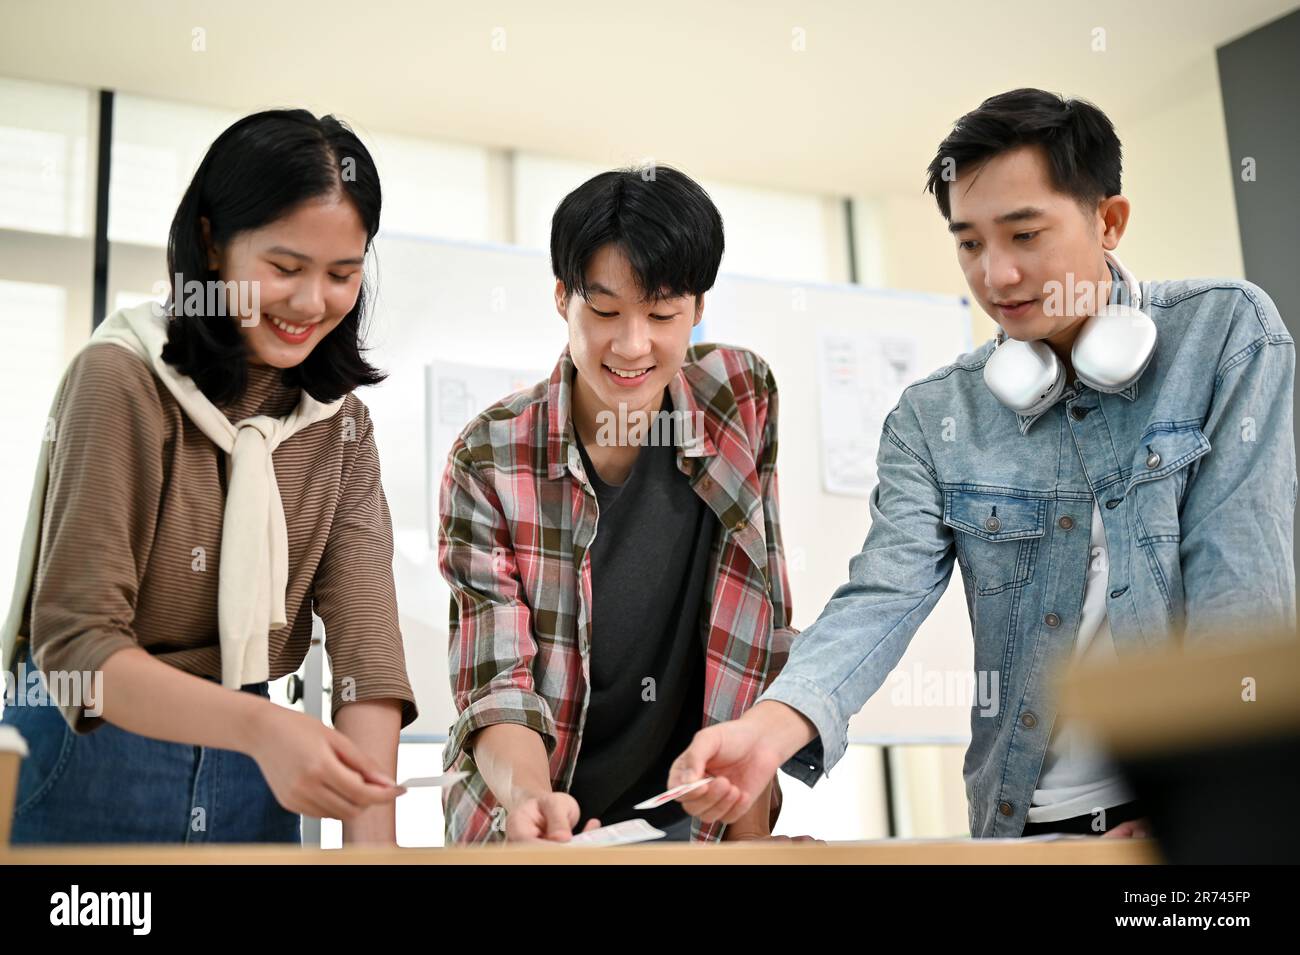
(1209, 738)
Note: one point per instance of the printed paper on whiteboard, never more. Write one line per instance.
(861, 377)
(458, 392)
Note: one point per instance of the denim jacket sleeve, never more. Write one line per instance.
(1237, 516)
(894, 582)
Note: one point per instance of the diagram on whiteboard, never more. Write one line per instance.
(458, 392)
(861, 377)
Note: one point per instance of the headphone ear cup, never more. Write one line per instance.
(1113, 348)
(1027, 377)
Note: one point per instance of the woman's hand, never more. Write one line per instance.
(315, 770)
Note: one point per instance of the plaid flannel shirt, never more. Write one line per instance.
(518, 518)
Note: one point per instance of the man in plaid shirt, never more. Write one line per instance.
(582, 661)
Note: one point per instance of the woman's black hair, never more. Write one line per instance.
(257, 171)
(664, 222)
(1083, 153)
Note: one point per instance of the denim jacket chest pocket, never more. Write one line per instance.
(1157, 483)
(997, 534)
(1162, 468)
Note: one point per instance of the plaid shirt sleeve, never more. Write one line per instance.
(783, 633)
(491, 646)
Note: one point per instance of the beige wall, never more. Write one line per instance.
(1178, 175)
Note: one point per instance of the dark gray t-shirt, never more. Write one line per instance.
(649, 568)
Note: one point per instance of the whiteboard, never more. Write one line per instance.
(787, 323)
(493, 307)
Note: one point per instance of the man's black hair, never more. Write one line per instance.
(661, 219)
(1077, 139)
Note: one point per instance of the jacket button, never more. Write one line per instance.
(1065, 523)
(1113, 503)
(1029, 720)
(1006, 808)
(740, 525)
(1052, 620)
(992, 524)
(1153, 460)
(1078, 414)
(706, 482)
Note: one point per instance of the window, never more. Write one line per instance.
(157, 145)
(46, 208)
(45, 153)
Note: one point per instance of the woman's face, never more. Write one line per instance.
(304, 271)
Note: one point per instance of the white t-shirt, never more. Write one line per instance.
(1078, 776)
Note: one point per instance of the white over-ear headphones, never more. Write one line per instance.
(1112, 350)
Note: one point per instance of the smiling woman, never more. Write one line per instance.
(286, 205)
(214, 482)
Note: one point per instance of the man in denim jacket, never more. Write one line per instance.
(1096, 522)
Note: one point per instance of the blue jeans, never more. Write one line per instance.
(114, 786)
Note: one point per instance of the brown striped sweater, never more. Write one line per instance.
(131, 537)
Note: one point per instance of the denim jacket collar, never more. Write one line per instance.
(1124, 288)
